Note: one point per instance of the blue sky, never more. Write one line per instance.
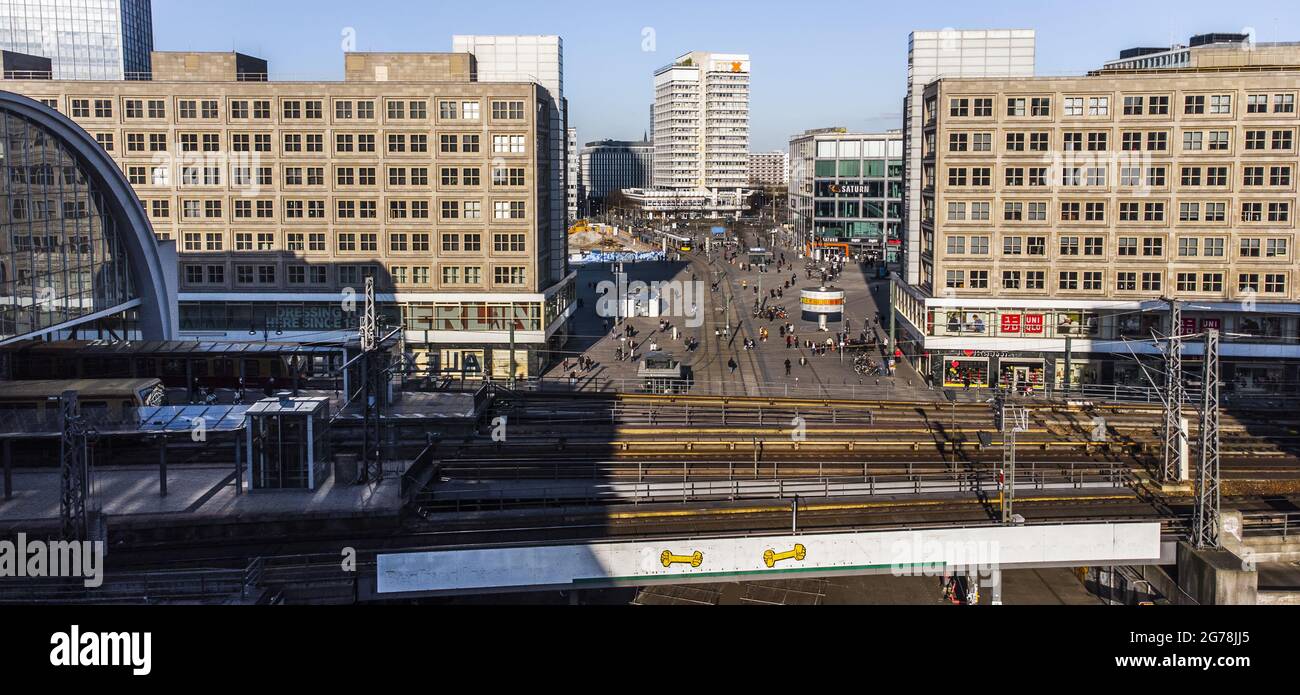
(817, 63)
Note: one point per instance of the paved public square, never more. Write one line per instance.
(729, 311)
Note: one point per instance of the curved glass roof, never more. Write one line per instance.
(62, 253)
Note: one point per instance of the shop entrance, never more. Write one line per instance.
(1022, 374)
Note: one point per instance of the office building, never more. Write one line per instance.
(846, 193)
(540, 60)
(283, 197)
(573, 176)
(84, 39)
(769, 168)
(701, 129)
(1058, 214)
(948, 53)
(613, 165)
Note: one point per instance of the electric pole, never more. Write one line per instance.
(75, 470)
(1208, 499)
(372, 466)
(1012, 421)
(1175, 443)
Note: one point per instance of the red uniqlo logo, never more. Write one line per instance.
(1033, 323)
(1011, 324)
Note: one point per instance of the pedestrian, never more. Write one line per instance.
(788, 368)
(731, 364)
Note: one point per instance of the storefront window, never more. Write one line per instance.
(1141, 325)
(963, 372)
(1077, 323)
(1260, 326)
(1257, 379)
(964, 323)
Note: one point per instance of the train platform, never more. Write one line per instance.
(130, 496)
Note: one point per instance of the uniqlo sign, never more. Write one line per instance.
(1034, 324)
(1011, 323)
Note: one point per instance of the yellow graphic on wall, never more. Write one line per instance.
(799, 554)
(668, 559)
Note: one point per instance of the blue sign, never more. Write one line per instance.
(603, 257)
(719, 231)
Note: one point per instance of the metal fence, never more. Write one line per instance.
(575, 492)
(886, 389)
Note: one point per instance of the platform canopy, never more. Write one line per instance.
(172, 419)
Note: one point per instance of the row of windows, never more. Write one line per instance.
(290, 109)
(314, 143)
(1125, 281)
(1133, 105)
(211, 209)
(1276, 212)
(241, 176)
(1095, 246)
(1278, 139)
(351, 275)
(354, 242)
(1099, 176)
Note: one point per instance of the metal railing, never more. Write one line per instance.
(1271, 524)
(183, 585)
(29, 75)
(870, 388)
(504, 499)
(885, 388)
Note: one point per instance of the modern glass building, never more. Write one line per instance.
(76, 248)
(85, 39)
(613, 165)
(846, 193)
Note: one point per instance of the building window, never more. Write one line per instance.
(508, 110)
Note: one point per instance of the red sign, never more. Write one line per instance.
(1211, 324)
(1011, 323)
(1189, 326)
(1034, 324)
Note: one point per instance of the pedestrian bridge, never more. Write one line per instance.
(934, 552)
